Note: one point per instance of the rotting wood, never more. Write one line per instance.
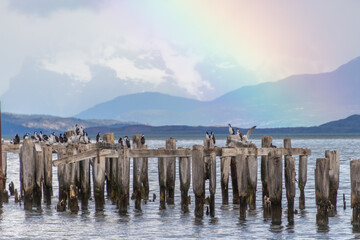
(28, 172)
(47, 187)
(334, 170)
(39, 174)
(123, 179)
(266, 142)
(185, 176)
(252, 165)
(138, 164)
(99, 181)
(212, 186)
(170, 172)
(290, 186)
(242, 183)
(162, 167)
(322, 190)
(198, 179)
(355, 191)
(302, 179)
(225, 170)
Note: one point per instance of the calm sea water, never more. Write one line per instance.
(153, 223)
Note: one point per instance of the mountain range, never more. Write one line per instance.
(299, 100)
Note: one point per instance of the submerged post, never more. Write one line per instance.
(162, 167)
(322, 190)
(170, 172)
(184, 174)
(27, 172)
(99, 181)
(198, 179)
(242, 183)
(355, 192)
(302, 179)
(252, 164)
(110, 169)
(266, 142)
(85, 188)
(47, 187)
(290, 185)
(274, 168)
(123, 179)
(138, 165)
(212, 185)
(39, 174)
(225, 170)
(334, 170)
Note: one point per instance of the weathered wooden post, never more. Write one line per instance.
(110, 169)
(225, 170)
(322, 190)
(47, 187)
(28, 172)
(242, 178)
(71, 183)
(85, 187)
(289, 180)
(266, 142)
(302, 179)
(212, 186)
(334, 170)
(123, 179)
(39, 174)
(252, 164)
(355, 192)
(1, 165)
(4, 176)
(162, 167)
(184, 174)
(198, 179)
(274, 168)
(170, 172)
(62, 203)
(138, 165)
(99, 181)
(234, 181)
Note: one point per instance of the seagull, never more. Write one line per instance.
(207, 135)
(127, 141)
(231, 130)
(247, 136)
(98, 137)
(142, 139)
(213, 137)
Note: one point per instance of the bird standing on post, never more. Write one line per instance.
(142, 139)
(98, 137)
(231, 130)
(207, 135)
(121, 142)
(212, 137)
(127, 141)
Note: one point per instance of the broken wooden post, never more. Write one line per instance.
(85, 188)
(274, 183)
(162, 167)
(242, 183)
(290, 185)
(99, 181)
(138, 165)
(355, 192)
(4, 175)
(234, 181)
(302, 179)
(61, 205)
(71, 183)
(212, 184)
(110, 169)
(334, 170)
(198, 179)
(322, 190)
(184, 174)
(28, 172)
(252, 164)
(39, 174)
(47, 186)
(225, 170)
(266, 142)
(170, 172)
(123, 179)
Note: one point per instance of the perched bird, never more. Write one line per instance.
(240, 134)
(207, 135)
(65, 139)
(121, 142)
(26, 136)
(127, 141)
(212, 137)
(231, 130)
(246, 137)
(142, 139)
(84, 138)
(61, 139)
(16, 139)
(57, 139)
(98, 137)
(77, 129)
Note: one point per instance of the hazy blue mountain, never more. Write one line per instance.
(301, 100)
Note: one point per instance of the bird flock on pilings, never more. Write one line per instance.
(244, 139)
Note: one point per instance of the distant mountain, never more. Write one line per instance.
(301, 100)
(350, 125)
(19, 123)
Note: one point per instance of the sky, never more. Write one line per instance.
(76, 53)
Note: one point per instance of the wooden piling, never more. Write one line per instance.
(123, 179)
(242, 183)
(170, 172)
(322, 190)
(290, 185)
(212, 184)
(162, 168)
(4, 176)
(1, 165)
(84, 172)
(225, 170)
(252, 164)
(334, 170)
(198, 179)
(184, 174)
(62, 203)
(302, 179)
(71, 180)
(139, 164)
(99, 181)
(355, 191)
(27, 172)
(274, 168)
(47, 186)
(39, 174)
(234, 181)
(110, 169)
(266, 141)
